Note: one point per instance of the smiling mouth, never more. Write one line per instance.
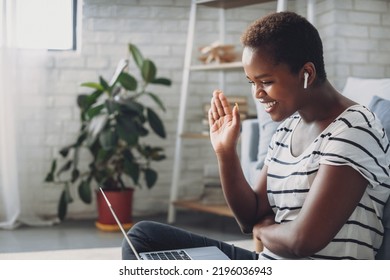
(269, 105)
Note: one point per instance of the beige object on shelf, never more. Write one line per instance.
(218, 53)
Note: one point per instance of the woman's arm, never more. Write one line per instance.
(333, 196)
(247, 204)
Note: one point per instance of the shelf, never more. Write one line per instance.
(222, 210)
(217, 66)
(193, 135)
(228, 4)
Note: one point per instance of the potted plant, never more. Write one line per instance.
(113, 122)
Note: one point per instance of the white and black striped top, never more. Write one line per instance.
(355, 139)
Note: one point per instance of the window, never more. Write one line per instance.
(45, 24)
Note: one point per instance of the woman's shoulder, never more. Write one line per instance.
(356, 115)
(359, 117)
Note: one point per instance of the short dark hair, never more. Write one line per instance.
(289, 38)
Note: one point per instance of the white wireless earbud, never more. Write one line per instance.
(306, 77)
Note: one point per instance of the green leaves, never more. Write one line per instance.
(146, 66)
(113, 124)
(148, 71)
(94, 111)
(127, 81)
(157, 100)
(93, 85)
(162, 81)
(62, 206)
(152, 153)
(150, 177)
(50, 175)
(85, 192)
(132, 169)
(65, 199)
(127, 131)
(156, 123)
(137, 56)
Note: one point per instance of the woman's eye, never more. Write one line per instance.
(261, 84)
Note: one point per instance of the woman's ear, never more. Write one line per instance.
(308, 73)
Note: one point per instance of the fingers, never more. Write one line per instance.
(219, 105)
(236, 114)
(211, 118)
(215, 103)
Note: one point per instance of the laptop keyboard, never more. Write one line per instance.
(170, 255)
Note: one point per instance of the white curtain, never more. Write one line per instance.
(9, 192)
(22, 73)
(9, 188)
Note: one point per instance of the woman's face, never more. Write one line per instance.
(273, 85)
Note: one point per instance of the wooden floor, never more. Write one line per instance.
(81, 234)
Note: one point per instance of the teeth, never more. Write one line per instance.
(269, 104)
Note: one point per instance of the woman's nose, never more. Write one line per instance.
(258, 91)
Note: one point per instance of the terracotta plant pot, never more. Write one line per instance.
(122, 204)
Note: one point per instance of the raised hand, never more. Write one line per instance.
(224, 124)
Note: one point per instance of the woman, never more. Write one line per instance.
(325, 180)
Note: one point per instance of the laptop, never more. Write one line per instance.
(198, 253)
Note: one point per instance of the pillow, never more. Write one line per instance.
(362, 90)
(267, 128)
(381, 108)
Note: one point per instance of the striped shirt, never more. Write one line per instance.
(357, 139)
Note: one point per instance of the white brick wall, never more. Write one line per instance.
(356, 37)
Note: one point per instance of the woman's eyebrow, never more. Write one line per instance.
(260, 76)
